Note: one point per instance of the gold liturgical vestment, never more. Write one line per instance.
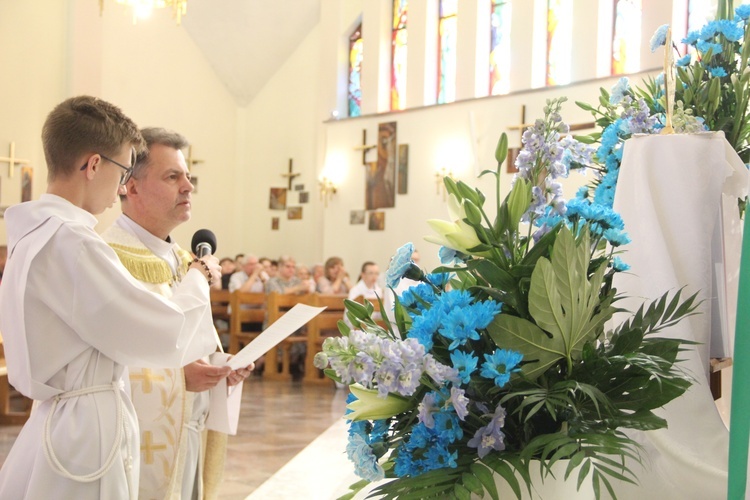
(162, 404)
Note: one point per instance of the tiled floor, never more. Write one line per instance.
(277, 420)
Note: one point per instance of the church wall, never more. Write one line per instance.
(292, 117)
(152, 70)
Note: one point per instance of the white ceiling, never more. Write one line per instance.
(247, 41)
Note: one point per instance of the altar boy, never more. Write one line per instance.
(72, 317)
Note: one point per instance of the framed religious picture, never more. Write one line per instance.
(2, 211)
(278, 199)
(299, 187)
(377, 221)
(294, 213)
(510, 162)
(403, 168)
(380, 187)
(357, 217)
(274, 223)
(27, 177)
(304, 196)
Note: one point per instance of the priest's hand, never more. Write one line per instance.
(240, 374)
(200, 376)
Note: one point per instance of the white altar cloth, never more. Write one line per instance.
(677, 195)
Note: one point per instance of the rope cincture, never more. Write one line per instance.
(49, 452)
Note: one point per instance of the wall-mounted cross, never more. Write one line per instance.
(365, 147)
(523, 125)
(290, 175)
(190, 160)
(12, 161)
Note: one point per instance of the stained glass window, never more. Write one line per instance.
(447, 29)
(398, 55)
(626, 37)
(559, 41)
(355, 72)
(500, 47)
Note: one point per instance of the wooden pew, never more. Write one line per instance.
(220, 310)
(254, 313)
(276, 305)
(322, 326)
(8, 414)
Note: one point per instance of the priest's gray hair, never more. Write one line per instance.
(157, 135)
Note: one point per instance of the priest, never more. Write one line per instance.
(72, 317)
(171, 404)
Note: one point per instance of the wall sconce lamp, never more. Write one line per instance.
(327, 190)
(439, 184)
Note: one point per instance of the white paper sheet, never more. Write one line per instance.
(289, 323)
(224, 409)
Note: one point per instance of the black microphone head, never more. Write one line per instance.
(203, 236)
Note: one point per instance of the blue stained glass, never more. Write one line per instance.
(355, 73)
(500, 47)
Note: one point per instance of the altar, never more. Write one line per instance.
(677, 195)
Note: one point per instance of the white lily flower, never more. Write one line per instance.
(370, 406)
(454, 234)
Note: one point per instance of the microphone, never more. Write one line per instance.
(204, 243)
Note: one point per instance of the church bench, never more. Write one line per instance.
(320, 327)
(276, 305)
(247, 308)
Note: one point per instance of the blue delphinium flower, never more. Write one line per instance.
(448, 256)
(659, 38)
(619, 90)
(500, 364)
(400, 263)
(490, 437)
(718, 71)
(704, 47)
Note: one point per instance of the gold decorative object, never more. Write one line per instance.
(669, 82)
(179, 7)
(327, 189)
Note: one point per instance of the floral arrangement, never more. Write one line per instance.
(501, 358)
(712, 92)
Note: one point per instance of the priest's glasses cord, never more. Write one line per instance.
(49, 453)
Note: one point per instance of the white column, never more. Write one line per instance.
(421, 66)
(473, 48)
(376, 65)
(585, 29)
(522, 44)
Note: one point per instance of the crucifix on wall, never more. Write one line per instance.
(290, 175)
(12, 161)
(191, 160)
(365, 147)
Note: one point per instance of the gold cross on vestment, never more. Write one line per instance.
(146, 377)
(148, 447)
(365, 147)
(11, 159)
(290, 175)
(190, 160)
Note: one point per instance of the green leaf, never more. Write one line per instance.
(471, 483)
(520, 335)
(486, 478)
(562, 300)
(460, 492)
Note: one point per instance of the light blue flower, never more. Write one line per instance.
(718, 71)
(684, 60)
(618, 265)
(743, 12)
(400, 263)
(618, 91)
(447, 256)
(499, 365)
(659, 38)
(465, 363)
(365, 463)
(460, 402)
